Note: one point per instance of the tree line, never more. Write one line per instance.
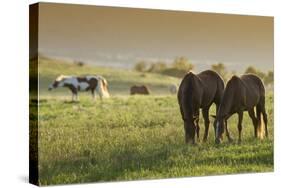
(181, 66)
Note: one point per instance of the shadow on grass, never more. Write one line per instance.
(71, 102)
(91, 168)
(95, 169)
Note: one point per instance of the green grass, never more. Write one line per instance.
(136, 137)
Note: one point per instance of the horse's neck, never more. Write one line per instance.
(192, 99)
(227, 103)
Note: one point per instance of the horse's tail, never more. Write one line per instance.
(260, 128)
(102, 88)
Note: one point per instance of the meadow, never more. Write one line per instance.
(133, 137)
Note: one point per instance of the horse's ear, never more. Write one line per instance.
(213, 116)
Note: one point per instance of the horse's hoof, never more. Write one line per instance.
(217, 141)
(230, 140)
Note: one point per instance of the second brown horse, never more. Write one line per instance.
(242, 94)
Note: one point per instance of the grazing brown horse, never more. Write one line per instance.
(139, 90)
(242, 94)
(198, 91)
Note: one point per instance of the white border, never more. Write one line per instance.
(14, 90)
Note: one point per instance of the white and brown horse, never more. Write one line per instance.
(82, 83)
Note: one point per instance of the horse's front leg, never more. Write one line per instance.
(227, 132)
(240, 119)
(215, 121)
(73, 97)
(205, 113)
(76, 95)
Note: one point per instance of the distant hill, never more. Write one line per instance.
(119, 80)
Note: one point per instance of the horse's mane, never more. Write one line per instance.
(228, 96)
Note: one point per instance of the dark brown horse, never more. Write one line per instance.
(242, 94)
(198, 91)
(143, 90)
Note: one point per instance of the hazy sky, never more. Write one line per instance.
(122, 36)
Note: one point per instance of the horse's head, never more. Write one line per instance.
(57, 82)
(190, 129)
(219, 125)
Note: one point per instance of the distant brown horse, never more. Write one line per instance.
(242, 94)
(139, 90)
(198, 91)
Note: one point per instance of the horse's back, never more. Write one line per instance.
(139, 90)
(250, 89)
(208, 74)
(190, 91)
(204, 88)
(211, 78)
(213, 86)
(253, 83)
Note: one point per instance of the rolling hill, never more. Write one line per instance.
(119, 80)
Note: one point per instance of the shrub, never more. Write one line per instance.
(140, 66)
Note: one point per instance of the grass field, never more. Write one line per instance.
(133, 137)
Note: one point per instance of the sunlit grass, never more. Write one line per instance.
(137, 138)
(133, 137)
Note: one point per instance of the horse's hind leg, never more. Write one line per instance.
(93, 93)
(198, 129)
(205, 113)
(264, 114)
(254, 120)
(197, 126)
(240, 119)
(261, 107)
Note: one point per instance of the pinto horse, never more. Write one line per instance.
(242, 94)
(84, 83)
(198, 91)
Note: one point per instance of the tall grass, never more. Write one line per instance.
(133, 137)
(139, 137)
